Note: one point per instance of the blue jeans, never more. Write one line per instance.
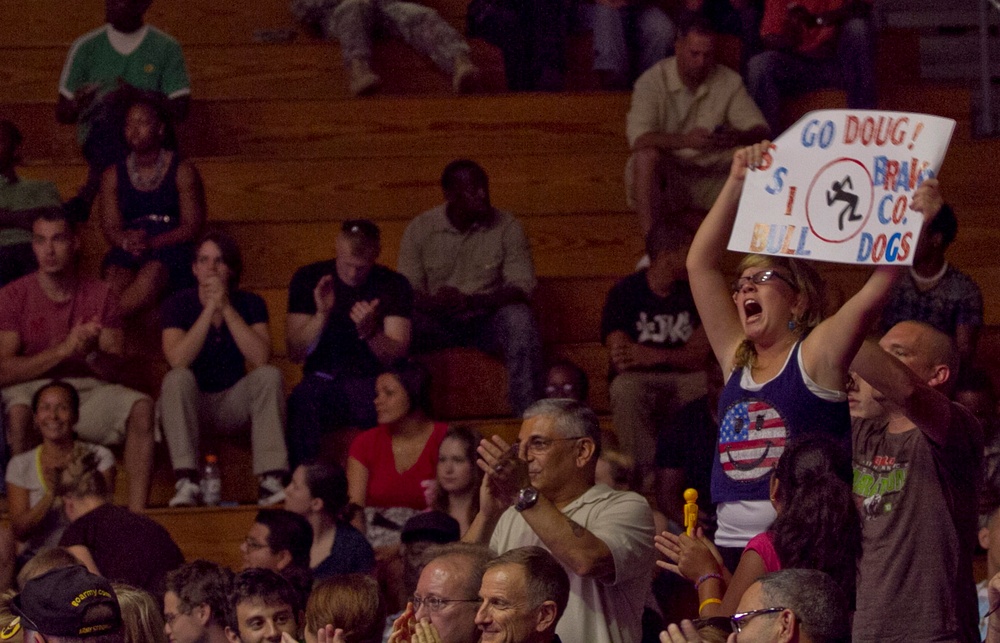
(774, 75)
(509, 333)
(646, 30)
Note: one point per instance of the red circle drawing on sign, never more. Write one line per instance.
(847, 168)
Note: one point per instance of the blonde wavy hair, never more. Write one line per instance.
(808, 284)
(142, 621)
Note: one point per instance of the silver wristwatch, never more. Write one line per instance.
(526, 498)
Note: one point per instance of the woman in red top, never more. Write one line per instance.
(387, 464)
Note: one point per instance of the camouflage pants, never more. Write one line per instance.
(352, 22)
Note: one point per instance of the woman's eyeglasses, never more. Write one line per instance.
(762, 277)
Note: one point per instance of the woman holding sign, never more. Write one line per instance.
(785, 365)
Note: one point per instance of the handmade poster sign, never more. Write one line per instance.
(836, 186)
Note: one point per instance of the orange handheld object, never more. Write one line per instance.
(690, 511)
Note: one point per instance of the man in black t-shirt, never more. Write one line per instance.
(348, 319)
(210, 335)
(656, 344)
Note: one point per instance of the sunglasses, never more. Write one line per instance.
(739, 621)
(734, 623)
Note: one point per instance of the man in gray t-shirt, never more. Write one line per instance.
(917, 461)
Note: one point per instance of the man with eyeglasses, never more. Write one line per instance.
(196, 603)
(277, 539)
(657, 348)
(789, 606)
(446, 596)
(541, 492)
(348, 319)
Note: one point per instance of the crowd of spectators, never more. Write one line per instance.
(819, 458)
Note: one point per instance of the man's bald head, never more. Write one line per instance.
(453, 574)
(930, 353)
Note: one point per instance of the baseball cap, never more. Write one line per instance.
(59, 603)
(431, 526)
(362, 228)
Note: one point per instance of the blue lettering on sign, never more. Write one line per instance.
(895, 247)
(904, 173)
(878, 171)
(824, 137)
(778, 182)
(865, 247)
(801, 250)
(884, 218)
(891, 249)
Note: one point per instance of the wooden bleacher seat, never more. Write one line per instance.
(212, 533)
(386, 127)
(306, 69)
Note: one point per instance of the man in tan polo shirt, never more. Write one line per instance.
(688, 114)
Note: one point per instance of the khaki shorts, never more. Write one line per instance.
(104, 408)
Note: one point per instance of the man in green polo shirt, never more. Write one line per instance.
(20, 202)
(100, 68)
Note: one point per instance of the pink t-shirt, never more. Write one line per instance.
(42, 323)
(762, 544)
(387, 487)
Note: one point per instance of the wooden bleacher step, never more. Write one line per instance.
(212, 533)
(304, 70)
(279, 190)
(375, 128)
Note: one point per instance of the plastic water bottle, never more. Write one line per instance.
(211, 482)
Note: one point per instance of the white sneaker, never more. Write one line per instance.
(271, 491)
(188, 494)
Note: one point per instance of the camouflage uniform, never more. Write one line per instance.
(352, 22)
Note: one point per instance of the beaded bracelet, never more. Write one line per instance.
(708, 601)
(704, 578)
